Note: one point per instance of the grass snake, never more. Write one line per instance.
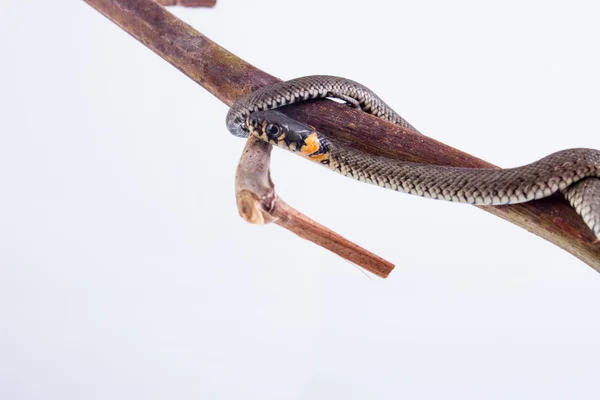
(574, 172)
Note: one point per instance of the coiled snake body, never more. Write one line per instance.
(574, 172)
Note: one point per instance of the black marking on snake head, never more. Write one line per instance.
(278, 124)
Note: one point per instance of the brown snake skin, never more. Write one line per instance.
(574, 172)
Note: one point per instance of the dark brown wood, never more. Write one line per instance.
(228, 77)
(220, 72)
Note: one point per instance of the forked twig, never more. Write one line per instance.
(258, 203)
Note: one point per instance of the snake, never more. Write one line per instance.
(573, 172)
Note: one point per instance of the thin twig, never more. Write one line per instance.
(228, 77)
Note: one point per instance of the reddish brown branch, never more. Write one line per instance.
(229, 77)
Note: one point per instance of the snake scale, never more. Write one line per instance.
(574, 172)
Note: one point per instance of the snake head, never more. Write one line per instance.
(280, 130)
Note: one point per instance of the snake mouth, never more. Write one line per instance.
(250, 124)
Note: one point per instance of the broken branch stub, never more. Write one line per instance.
(259, 204)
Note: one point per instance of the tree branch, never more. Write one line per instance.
(228, 77)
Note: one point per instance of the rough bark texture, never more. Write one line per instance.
(229, 77)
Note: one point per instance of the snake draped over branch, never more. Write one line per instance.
(574, 172)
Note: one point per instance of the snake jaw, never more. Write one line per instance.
(252, 126)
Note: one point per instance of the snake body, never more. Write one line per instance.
(574, 172)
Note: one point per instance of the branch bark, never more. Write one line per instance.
(228, 77)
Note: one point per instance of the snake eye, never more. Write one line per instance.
(272, 130)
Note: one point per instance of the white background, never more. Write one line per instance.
(125, 271)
